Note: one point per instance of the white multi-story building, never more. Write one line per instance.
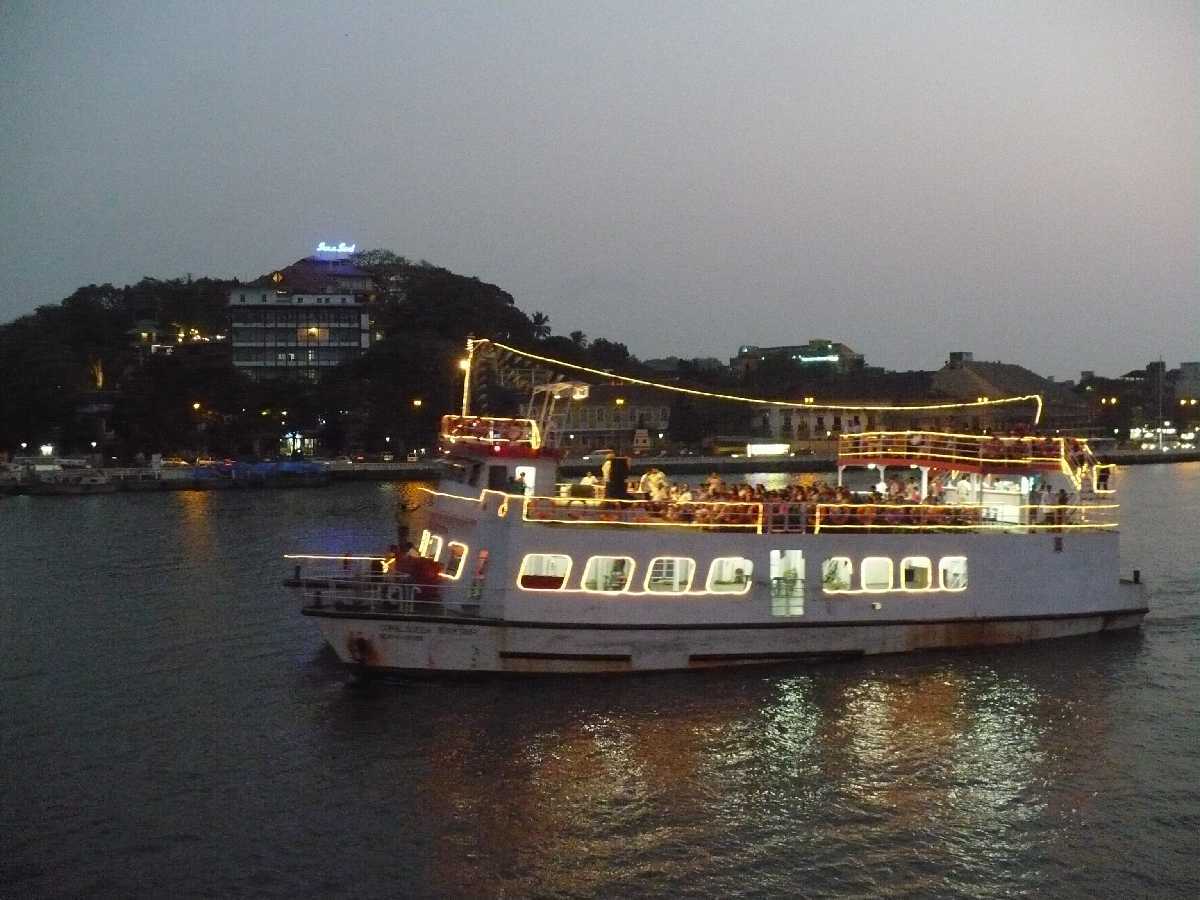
(299, 321)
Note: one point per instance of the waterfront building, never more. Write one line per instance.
(623, 418)
(965, 379)
(818, 354)
(301, 320)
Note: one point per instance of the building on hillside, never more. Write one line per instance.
(301, 320)
(817, 354)
(963, 379)
(623, 418)
(792, 424)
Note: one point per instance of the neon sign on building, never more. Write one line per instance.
(335, 248)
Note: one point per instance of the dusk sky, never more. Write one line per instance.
(1015, 179)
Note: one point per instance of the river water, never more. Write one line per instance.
(171, 726)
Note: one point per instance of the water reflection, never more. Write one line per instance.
(568, 786)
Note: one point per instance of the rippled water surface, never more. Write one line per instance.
(170, 726)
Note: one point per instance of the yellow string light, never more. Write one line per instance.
(694, 392)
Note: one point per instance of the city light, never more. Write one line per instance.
(417, 402)
(464, 364)
(196, 406)
(47, 449)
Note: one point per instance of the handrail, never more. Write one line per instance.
(492, 430)
(723, 514)
(386, 593)
(1072, 456)
(954, 517)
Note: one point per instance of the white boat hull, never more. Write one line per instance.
(985, 589)
(431, 644)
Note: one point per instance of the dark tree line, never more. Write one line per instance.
(64, 369)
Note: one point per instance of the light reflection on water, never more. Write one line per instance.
(197, 728)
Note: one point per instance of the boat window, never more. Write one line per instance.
(876, 574)
(670, 574)
(458, 559)
(952, 571)
(916, 573)
(434, 550)
(729, 575)
(607, 574)
(836, 573)
(544, 571)
(787, 583)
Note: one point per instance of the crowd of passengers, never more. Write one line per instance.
(717, 503)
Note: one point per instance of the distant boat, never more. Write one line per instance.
(60, 481)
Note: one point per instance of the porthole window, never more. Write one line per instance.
(730, 575)
(952, 573)
(876, 574)
(607, 574)
(836, 574)
(544, 571)
(670, 575)
(916, 573)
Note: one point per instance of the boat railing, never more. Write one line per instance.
(697, 514)
(914, 517)
(348, 586)
(491, 430)
(993, 451)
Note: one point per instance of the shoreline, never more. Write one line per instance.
(141, 480)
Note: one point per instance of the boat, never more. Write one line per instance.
(64, 480)
(517, 572)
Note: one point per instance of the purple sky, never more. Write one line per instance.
(1015, 179)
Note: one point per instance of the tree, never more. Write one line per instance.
(541, 325)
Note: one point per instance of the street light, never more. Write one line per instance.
(196, 406)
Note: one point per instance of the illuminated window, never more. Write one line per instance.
(787, 583)
(607, 574)
(434, 550)
(458, 558)
(424, 544)
(952, 572)
(916, 573)
(670, 574)
(836, 573)
(729, 575)
(876, 574)
(544, 571)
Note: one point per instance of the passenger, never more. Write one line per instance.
(1061, 514)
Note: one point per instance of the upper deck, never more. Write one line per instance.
(783, 516)
(979, 453)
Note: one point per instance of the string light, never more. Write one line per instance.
(695, 392)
